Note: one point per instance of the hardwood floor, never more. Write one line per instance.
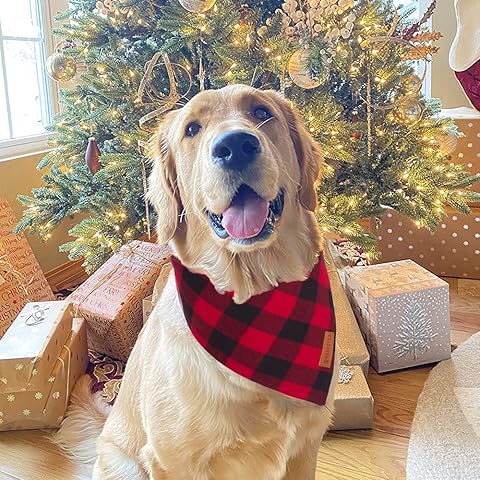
(378, 454)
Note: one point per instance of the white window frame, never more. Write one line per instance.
(21, 146)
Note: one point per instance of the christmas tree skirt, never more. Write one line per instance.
(445, 435)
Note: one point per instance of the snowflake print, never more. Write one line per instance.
(19, 366)
(3, 380)
(56, 395)
(39, 395)
(11, 398)
(26, 412)
(34, 372)
(51, 379)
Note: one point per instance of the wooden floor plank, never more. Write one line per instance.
(365, 454)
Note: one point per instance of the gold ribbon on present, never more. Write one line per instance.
(9, 269)
(149, 95)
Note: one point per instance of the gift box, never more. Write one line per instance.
(353, 407)
(150, 301)
(111, 299)
(32, 344)
(45, 406)
(467, 148)
(21, 278)
(350, 343)
(403, 311)
(453, 250)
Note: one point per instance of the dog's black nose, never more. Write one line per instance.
(235, 150)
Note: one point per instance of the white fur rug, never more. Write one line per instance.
(445, 436)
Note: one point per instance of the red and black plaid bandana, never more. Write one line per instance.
(283, 339)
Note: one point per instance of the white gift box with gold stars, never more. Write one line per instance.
(42, 405)
(32, 344)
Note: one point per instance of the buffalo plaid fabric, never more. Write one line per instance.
(283, 339)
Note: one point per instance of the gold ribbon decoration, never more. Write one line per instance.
(149, 95)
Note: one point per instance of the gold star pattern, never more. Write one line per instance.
(1, 414)
(19, 366)
(56, 395)
(26, 412)
(3, 380)
(11, 398)
(51, 379)
(39, 395)
(34, 372)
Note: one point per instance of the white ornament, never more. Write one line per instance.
(26, 412)
(345, 374)
(19, 366)
(56, 395)
(11, 398)
(3, 380)
(39, 395)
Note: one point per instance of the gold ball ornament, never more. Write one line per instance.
(408, 111)
(413, 83)
(61, 67)
(299, 73)
(197, 6)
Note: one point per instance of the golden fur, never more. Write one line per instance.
(180, 415)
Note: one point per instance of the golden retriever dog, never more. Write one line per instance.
(180, 414)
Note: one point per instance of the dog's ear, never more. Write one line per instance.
(309, 156)
(162, 183)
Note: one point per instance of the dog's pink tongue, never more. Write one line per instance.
(246, 215)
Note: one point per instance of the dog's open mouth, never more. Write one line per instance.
(249, 217)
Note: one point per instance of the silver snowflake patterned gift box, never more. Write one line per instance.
(403, 312)
(31, 345)
(45, 406)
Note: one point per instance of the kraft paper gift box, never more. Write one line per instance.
(353, 407)
(21, 278)
(150, 301)
(350, 343)
(111, 299)
(403, 311)
(45, 406)
(32, 344)
(453, 250)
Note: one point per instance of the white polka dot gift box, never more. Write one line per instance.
(45, 405)
(403, 312)
(453, 250)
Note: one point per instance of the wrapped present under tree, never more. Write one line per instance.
(111, 299)
(403, 311)
(21, 278)
(33, 399)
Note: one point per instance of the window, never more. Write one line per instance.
(27, 95)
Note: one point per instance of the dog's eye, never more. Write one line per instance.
(262, 113)
(192, 129)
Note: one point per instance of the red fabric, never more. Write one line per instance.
(470, 82)
(277, 339)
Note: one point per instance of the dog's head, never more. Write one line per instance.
(234, 166)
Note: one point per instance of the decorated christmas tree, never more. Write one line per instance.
(350, 67)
